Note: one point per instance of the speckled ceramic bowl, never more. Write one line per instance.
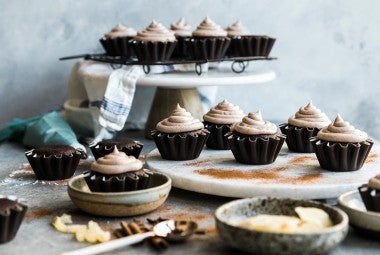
(365, 222)
(119, 204)
(229, 215)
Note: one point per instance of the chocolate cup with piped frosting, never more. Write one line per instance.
(54, 161)
(126, 145)
(182, 32)
(130, 181)
(341, 157)
(298, 138)
(370, 194)
(117, 41)
(217, 139)
(340, 147)
(255, 141)
(12, 213)
(154, 44)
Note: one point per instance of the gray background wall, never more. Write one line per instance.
(328, 51)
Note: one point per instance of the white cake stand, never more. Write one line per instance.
(180, 87)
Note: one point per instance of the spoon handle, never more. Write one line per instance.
(110, 245)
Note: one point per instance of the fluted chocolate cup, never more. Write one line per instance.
(180, 51)
(126, 145)
(370, 197)
(298, 138)
(217, 139)
(255, 149)
(130, 181)
(250, 46)
(12, 213)
(147, 51)
(207, 48)
(180, 146)
(341, 157)
(118, 46)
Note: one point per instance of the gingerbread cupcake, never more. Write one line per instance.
(209, 41)
(117, 41)
(218, 121)
(340, 147)
(303, 125)
(245, 44)
(182, 31)
(117, 172)
(370, 194)
(54, 161)
(126, 145)
(180, 136)
(254, 140)
(154, 44)
(11, 215)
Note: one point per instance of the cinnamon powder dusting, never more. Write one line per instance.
(371, 158)
(302, 159)
(37, 213)
(197, 163)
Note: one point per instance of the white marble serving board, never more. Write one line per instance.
(293, 175)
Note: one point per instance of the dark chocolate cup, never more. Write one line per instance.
(370, 197)
(119, 46)
(341, 157)
(180, 50)
(298, 138)
(54, 167)
(255, 149)
(250, 46)
(131, 149)
(208, 48)
(217, 139)
(118, 183)
(181, 146)
(153, 51)
(10, 220)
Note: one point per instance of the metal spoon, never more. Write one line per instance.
(169, 229)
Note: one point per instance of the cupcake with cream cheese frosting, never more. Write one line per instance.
(117, 172)
(117, 41)
(12, 212)
(218, 121)
(254, 140)
(303, 125)
(182, 31)
(340, 147)
(180, 136)
(245, 44)
(209, 41)
(154, 43)
(370, 194)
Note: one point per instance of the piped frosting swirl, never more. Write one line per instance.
(341, 131)
(309, 116)
(374, 182)
(179, 121)
(121, 31)
(116, 163)
(237, 29)
(180, 28)
(253, 124)
(155, 32)
(208, 28)
(224, 113)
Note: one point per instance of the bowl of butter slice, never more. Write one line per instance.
(266, 225)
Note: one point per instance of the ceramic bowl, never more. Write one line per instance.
(366, 222)
(119, 204)
(229, 215)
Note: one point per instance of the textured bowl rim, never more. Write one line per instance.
(72, 187)
(341, 202)
(337, 227)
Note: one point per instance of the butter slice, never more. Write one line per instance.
(272, 223)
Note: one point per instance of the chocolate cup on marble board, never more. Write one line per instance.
(126, 145)
(130, 181)
(217, 139)
(341, 157)
(12, 213)
(298, 138)
(180, 146)
(207, 48)
(370, 197)
(119, 46)
(255, 149)
(153, 51)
